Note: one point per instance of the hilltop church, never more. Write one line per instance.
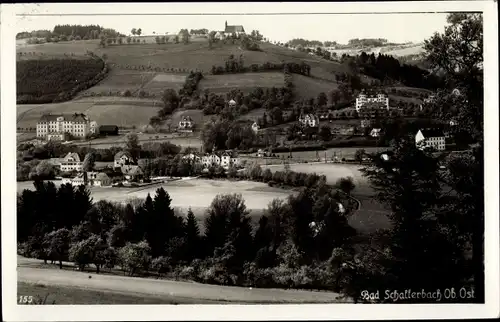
(230, 30)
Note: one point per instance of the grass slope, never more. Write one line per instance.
(60, 295)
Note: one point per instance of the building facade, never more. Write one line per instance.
(233, 30)
(186, 124)
(430, 138)
(71, 162)
(122, 158)
(379, 98)
(309, 120)
(54, 127)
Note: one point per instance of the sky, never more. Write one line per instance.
(334, 26)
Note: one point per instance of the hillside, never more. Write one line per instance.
(144, 70)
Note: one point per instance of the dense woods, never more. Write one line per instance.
(51, 80)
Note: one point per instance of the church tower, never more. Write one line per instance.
(226, 24)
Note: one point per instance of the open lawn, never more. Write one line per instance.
(121, 80)
(307, 87)
(195, 193)
(244, 82)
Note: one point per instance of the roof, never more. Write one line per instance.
(73, 155)
(132, 170)
(432, 133)
(122, 153)
(101, 176)
(236, 28)
(76, 117)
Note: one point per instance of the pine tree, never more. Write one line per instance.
(192, 234)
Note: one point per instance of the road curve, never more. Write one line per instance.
(154, 287)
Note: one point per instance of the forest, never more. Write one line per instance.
(47, 81)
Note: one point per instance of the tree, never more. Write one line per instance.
(346, 185)
(88, 162)
(133, 31)
(129, 40)
(192, 234)
(139, 32)
(120, 40)
(134, 257)
(359, 155)
(458, 52)
(325, 133)
(322, 100)
(58, 244)
(133, 147)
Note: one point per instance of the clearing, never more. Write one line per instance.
(245, 82)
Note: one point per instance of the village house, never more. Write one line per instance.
(186, 124)
(71, 162)
(192, 157)
(236, 30)
(122, 158)
(255, 127)
(232, 103)
(365, 123)
(57, 127)
(132, 172)
(102, 180)
(364, 98)
(219, 35)
(309, 120)
(430, 138)
(375, 133)
(210, 160)
(229, 158)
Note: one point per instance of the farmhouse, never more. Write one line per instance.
(122, 158)
(232, 103)
(234, 30)
(71, 162)
(309, 120)
(106, 130)
(364, 98)
(192, 157)
(224, 159)
(102, 179)
(210, 160)
(186, 124)
(430, 138)
(55, 127)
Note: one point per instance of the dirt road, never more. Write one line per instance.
(146, 286)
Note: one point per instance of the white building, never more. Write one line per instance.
(71, 162)
(122, 158)
(225, 159)
(430, 138)
(363, 99)
(255, 127)
(232, 103)
(54, 127)
(375, 133)
(309, 120)
(192, 157)
(186, 124)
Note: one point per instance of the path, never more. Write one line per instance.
(147, 286)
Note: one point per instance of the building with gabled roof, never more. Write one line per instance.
(431, 138)
(309, 120)
(71, 162)
(122, 158)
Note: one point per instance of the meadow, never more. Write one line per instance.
(125, 113)
(307, 87)
(244, 82)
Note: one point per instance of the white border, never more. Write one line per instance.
(12, 312)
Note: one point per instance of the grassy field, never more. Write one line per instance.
(107, 111)
(60, 48)
(61, 295)
(245, 82)
(307, 87)
(195, 193)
